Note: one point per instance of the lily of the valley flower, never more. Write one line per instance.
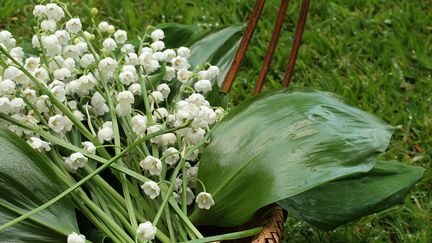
(146, 231)
(152, 165)
(151, 189)
(106, 133)
(172, 156)
(73, 25)
(39, 144)
(76, 238)
(204, 200)
(75, 161)
(89, 147)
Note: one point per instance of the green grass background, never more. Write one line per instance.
(377, 54)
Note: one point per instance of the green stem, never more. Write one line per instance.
(184, 189)
(99, 224)
(122, 218)
(44, 57)
(117, 142)
(107, 220)
(229, 236)
(42, 87)
(82, 181)
(33, 107)
(101, 199)
(184, 218)
(169, 224)
(56, 140)
(144, 95)
(179, 228)
(168, 195)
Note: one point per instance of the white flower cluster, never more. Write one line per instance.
(82, 79)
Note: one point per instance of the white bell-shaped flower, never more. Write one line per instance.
(105, 134)
(48, 25)
(139, 125)
(157, 45)
(107, 66)
(125, 98)
(151, 189)
(62, 36)
(75, 161)
(156, 97)
(184, 52)
(152, 165)
(39, 144)
(53, 11)
(164, 89)
(172, 156)
(146, 231)
(4, 105)
(203, 86)
(89, 147)
(76, 238)
(127, 48)
(123, 109)
(39, 11)
(180, 63)
(135, 89)
(86, 60)
(32, 63)
(157, 34)
(169, 54)
(109, 44)
(7, 87)
(73, 25)
(59, 123)
(99, 107)
(204, 200)
(120, 36)
(103, 26)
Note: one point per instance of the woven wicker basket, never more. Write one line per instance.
(271, 218)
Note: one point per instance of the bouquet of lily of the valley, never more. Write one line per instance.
(103, 138)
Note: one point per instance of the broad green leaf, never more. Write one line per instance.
(341, 201)
(25, 183)
(279, 145)
(177, 35)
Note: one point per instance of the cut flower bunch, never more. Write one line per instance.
(94, 96)
(106, 138)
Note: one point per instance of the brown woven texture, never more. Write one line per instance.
(272, 219)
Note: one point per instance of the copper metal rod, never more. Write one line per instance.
(296, 43)
(244, 44)
(271, 48)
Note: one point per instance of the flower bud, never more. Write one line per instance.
(94, 11)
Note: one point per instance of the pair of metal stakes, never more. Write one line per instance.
(244, 44)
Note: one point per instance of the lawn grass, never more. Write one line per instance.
(376, 54)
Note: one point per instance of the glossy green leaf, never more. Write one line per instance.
(341, 201)
(279, 145)
(177, 35)
(25, 183)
